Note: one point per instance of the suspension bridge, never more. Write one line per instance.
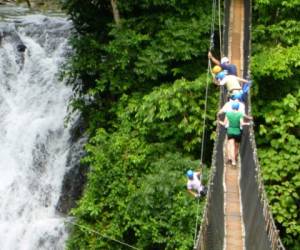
(237, 215)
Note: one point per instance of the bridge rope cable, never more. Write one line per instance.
(85, 228)
(211, 45)
(220, 30)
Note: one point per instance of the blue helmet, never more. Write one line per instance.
(189, 173)
(235, 106)
(237, 96)
(220, 75)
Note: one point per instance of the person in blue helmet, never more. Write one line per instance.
(233, 83)
(236, 98)
(233, 121)
(194, 185)
(230, 68)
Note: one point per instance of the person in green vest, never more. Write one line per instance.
(234, 120)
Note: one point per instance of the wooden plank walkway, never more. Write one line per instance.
(233, 215)
(236, 35)
(234, 236)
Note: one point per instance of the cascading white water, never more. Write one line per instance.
(34, 142)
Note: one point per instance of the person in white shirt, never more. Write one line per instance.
(194, 185)
(236, 98)
(228, 105)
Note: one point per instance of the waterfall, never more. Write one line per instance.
(34, 141)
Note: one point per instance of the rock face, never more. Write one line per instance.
(75, 178)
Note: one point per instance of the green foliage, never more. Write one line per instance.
(160, 45)
(140, 86)
(136, 187)
(142, 97)
(275, 67)
(136, 193)
(280, 164)
(175, 113)
(277, 62)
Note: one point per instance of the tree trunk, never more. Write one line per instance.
(115, 11)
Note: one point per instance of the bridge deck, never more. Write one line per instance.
(234, 239)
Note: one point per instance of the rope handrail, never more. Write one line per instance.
(271, 228)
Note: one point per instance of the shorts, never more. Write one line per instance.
(237, 138)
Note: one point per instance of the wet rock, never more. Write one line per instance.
(9, 34)
(75, 177)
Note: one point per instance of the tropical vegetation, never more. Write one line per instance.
(139, 72)
(275, 68)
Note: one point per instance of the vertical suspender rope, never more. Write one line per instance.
(197, 218)
(221, 47)
(212, 30)
(220, 30)
(205, 110)
(205, 107)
